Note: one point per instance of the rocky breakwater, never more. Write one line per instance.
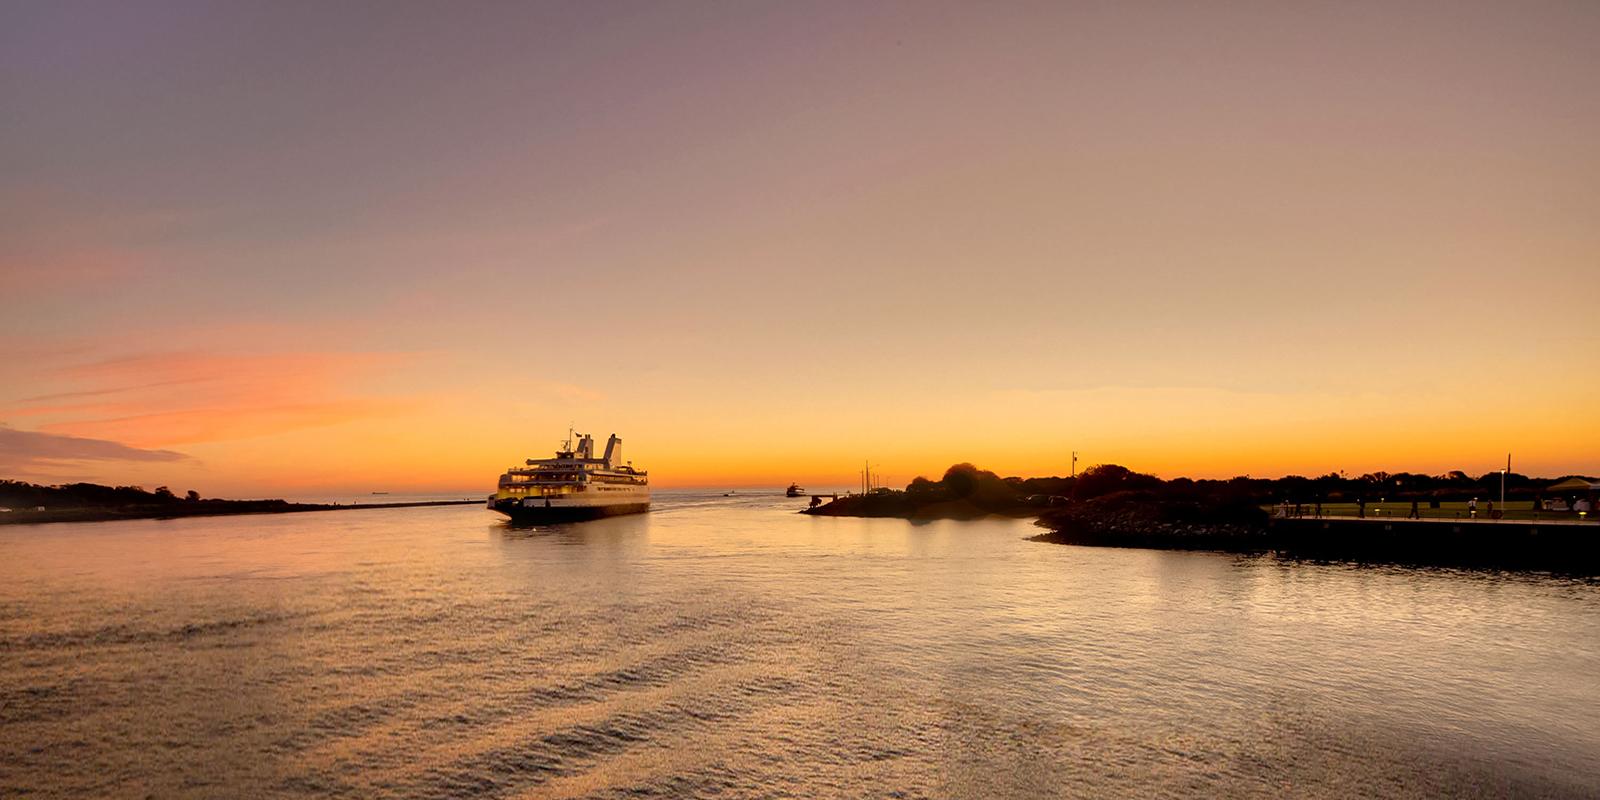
(1145, 519)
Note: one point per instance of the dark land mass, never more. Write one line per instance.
(1112, 506)
(88, 502)
(965, 492)
(1149, 520)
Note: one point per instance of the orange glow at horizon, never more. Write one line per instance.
(461, 441)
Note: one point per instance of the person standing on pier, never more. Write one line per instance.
(1415, 512)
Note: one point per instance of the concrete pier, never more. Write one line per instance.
(1555, 545)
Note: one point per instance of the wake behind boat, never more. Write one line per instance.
(573, 486)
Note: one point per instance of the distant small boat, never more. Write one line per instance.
(380, 492)
(794, 490)
(727, 494)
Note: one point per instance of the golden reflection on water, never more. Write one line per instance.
(725, 646)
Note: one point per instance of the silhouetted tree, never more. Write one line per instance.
(961, 480)
(1103, 479)
(1295, 488)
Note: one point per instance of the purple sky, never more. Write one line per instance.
(1209, 238)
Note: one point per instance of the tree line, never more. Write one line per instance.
(988, 490)
(19, 494)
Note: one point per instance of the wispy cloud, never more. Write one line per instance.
(43, 398)
(28, 451)
(234, 422)
(53, 242)
(166, 398)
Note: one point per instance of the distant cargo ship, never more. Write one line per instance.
(794, 490)
(573, 486)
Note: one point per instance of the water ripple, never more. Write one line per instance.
(726, 647)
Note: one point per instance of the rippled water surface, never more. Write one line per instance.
(727, 647)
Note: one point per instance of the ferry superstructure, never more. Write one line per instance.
(573, 486)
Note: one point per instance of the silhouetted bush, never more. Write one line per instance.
(1103, 479)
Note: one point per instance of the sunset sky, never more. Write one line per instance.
(295, 247)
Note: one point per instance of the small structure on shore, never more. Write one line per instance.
(1575, 486)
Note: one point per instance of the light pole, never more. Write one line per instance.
(1503, 483)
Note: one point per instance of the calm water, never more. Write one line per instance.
(722, 646)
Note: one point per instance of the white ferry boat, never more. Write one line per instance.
(573, 486)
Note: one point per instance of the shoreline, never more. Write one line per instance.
(1560, 547)
(938, 511)
(177, 511)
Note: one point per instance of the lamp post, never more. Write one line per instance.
(1503, 474)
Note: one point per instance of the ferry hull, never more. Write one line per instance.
(537, 515)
